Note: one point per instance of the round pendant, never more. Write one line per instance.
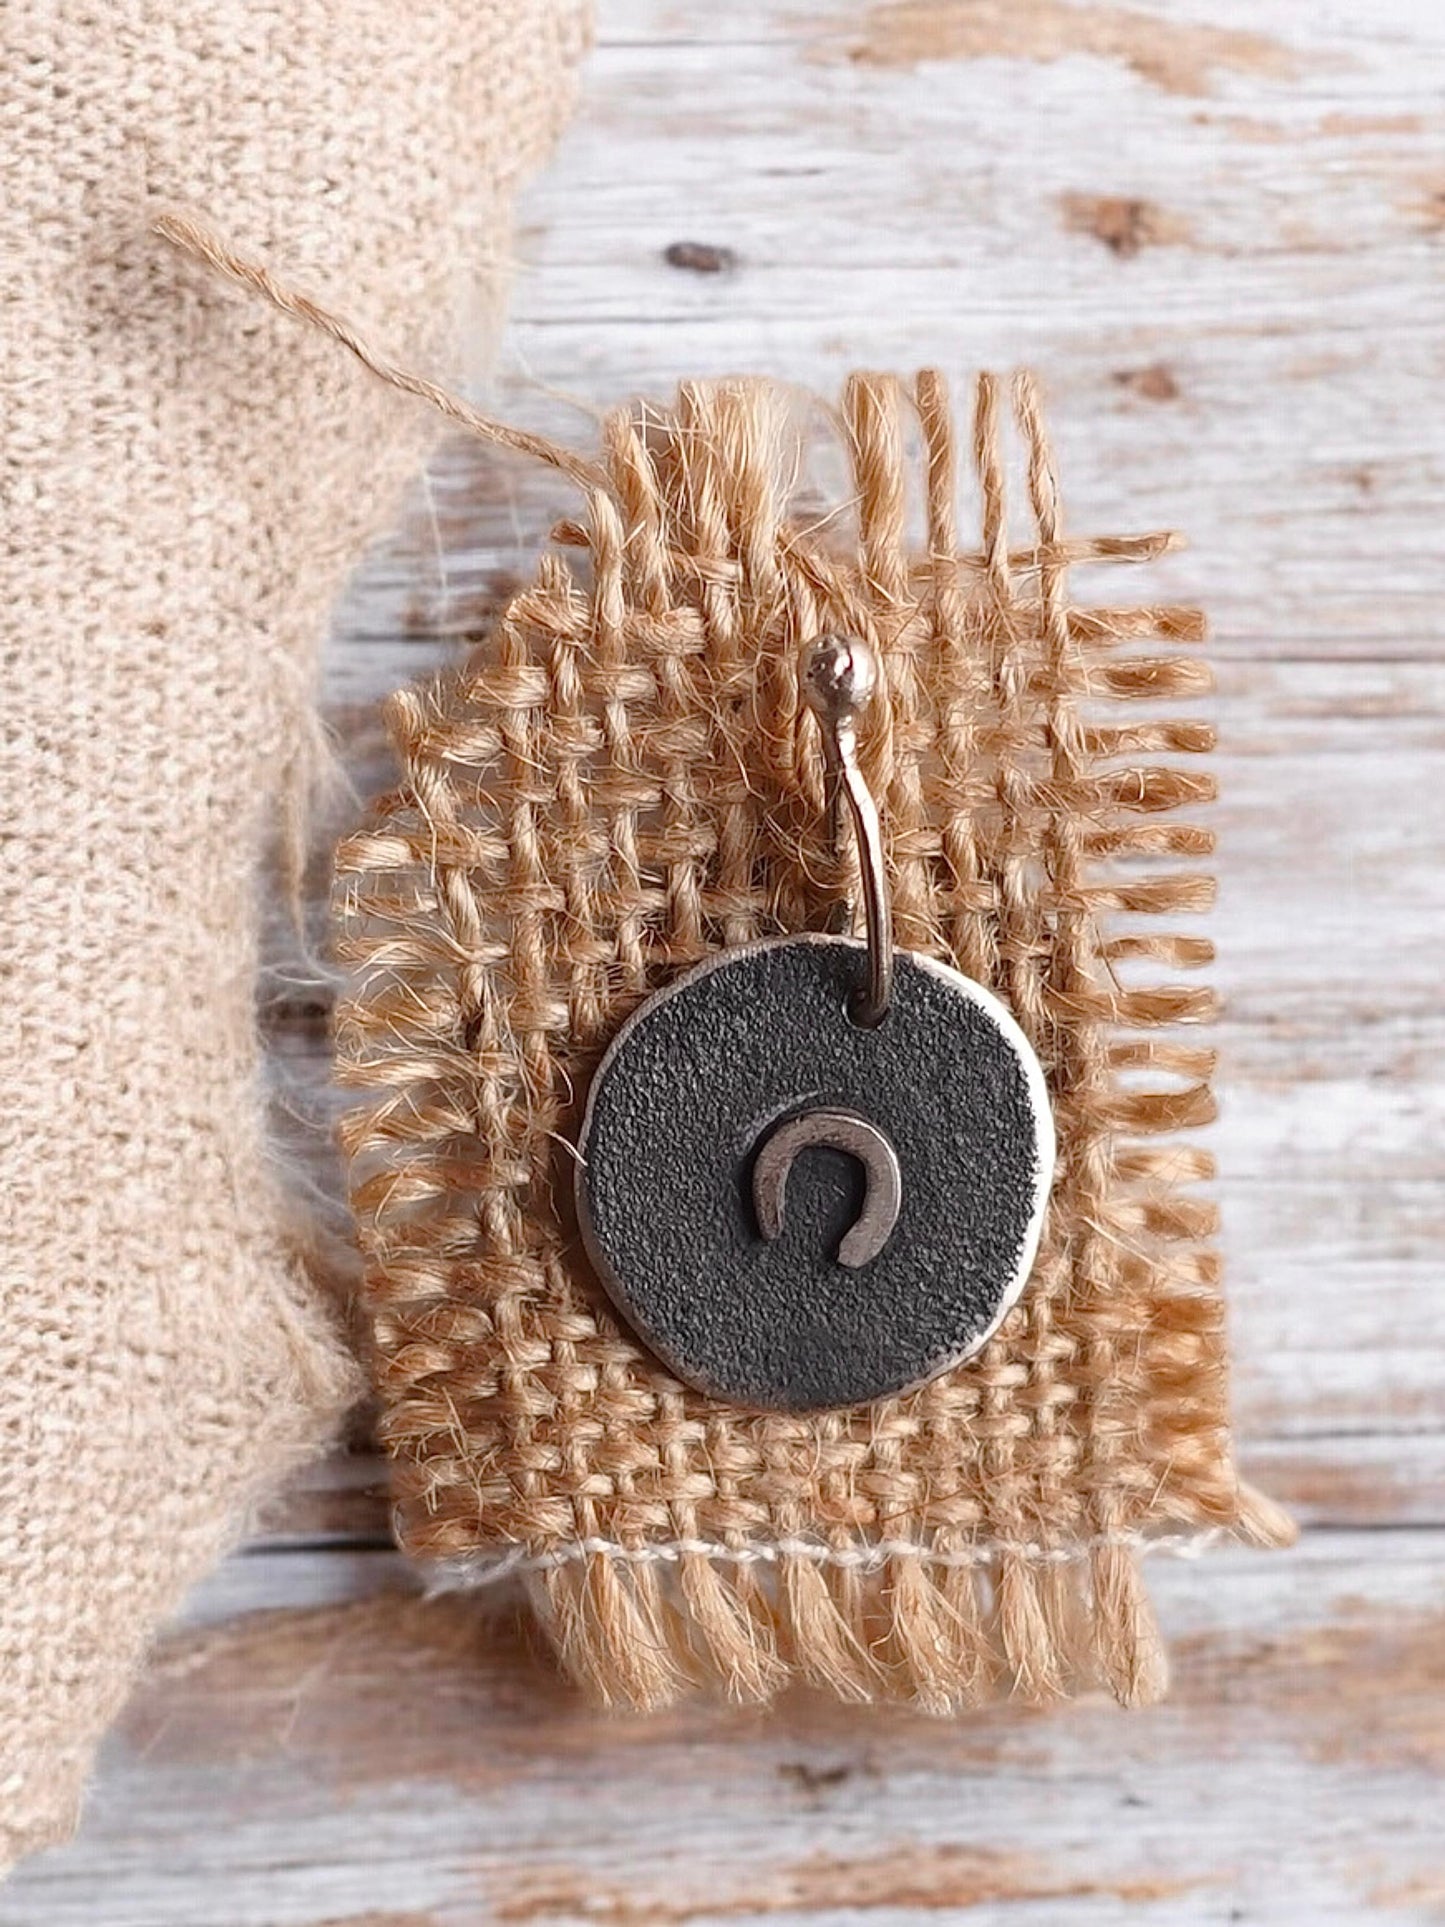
(795, 1211)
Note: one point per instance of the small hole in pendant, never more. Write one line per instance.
(855, 1009)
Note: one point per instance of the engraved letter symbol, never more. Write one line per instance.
(838, 1131)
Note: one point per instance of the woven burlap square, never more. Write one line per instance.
(621, 781)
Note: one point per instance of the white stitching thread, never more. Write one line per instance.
(487, 1569)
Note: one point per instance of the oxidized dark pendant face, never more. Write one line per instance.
(795, 1211)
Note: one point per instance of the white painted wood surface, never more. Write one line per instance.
(1217, 227)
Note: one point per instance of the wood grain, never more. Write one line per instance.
(1218, 231)
(344, 1752)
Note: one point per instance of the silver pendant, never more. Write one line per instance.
(813, 1172)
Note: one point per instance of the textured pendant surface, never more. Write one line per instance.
(797, 1211)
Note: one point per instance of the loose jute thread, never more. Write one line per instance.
(622, 780)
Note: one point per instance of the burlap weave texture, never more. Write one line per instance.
(621, 781)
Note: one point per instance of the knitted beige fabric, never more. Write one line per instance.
(187, 480)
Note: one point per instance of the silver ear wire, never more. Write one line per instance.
(840, 676)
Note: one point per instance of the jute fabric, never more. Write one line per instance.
(620, 782)
(186, 482)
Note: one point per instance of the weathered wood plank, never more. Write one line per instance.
(385, 1760)
(1227, 279)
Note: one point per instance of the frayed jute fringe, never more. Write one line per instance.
(952, 1601)
(621, 781)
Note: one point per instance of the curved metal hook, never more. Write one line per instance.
(840, 678)
(837, 1130)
